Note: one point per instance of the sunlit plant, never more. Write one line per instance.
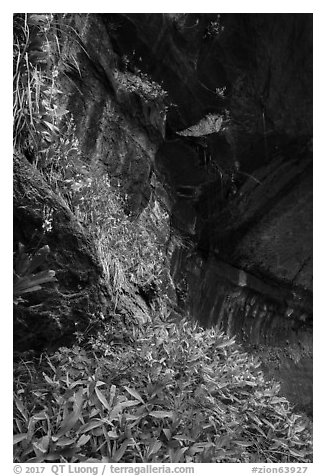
(167, 392)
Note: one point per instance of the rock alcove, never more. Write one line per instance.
(226, 150)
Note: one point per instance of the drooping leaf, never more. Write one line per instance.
(176, 456)
(299, 454)
(40, 416)
(134, 394)
(121, 451)
(167, 433)
(64, 441)
(69, 422)
(19, 437)
(83, 440)
(21, 408)
(102, 398)
(90, 426)
(154, 447)
(51, 126)
(113, 390)
(47, 379)
(243, 443)
(161, 414)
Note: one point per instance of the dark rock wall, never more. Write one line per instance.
(268, 62)
(242, 195)
(168, 50)
(245, 191)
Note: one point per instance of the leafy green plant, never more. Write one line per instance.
(131, 250)
(168, 392)
(215, 28)
(33, 86)
(141, 84)
(25, 281)
(39, 59)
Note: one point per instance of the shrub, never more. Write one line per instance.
(39, 59)
(34, 90)
(25, 278)
(167, 392)
(141, 84)
(131, 249)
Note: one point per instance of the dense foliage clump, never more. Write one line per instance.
(168, 392)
